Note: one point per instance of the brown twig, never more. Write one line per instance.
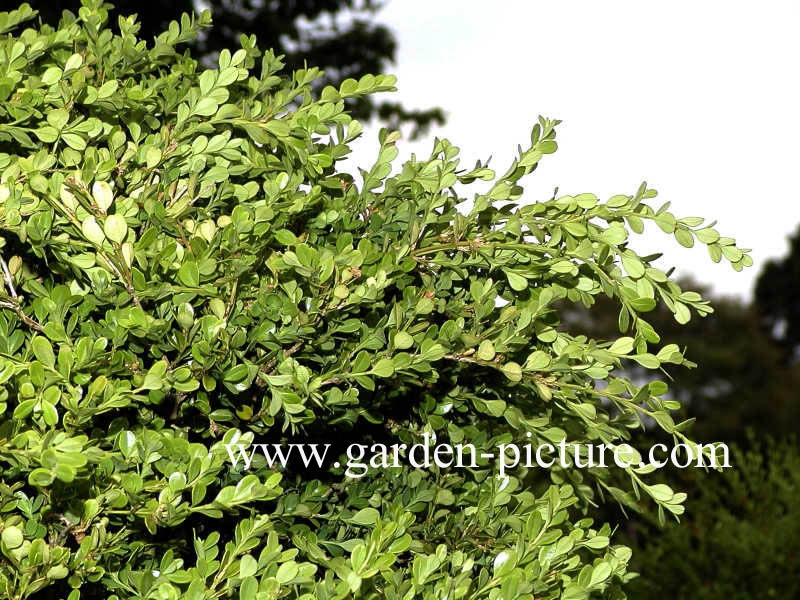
(179, 398)
(124, 277)
(23, 317)
(269, 366)
(7, 275)
(231, 300)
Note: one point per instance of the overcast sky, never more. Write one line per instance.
(700, 99)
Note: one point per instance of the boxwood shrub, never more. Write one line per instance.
(187, 268)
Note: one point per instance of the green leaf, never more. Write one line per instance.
(669, 353)
(597, 542)
(154, 380)
(622, 345)
(517, 282)
(661, 492)
(247, 566)
(647, 360)
(633, 266)
(617, 201)
(349, 86)
(285, 237)
(47, 134)
(41, 477)
(575, 229)
(12, 537)
(107, 89)
(586, 410)
(402, 340)
(684, 237)
(615, 235)
(102, 194)
(682, 314)
(643, 304)
(152, 157)
(277, 128)
(74, 141)
(658, 388)
(664, 420)
(51, 75)
(600, 573)
(189, 274)
(24, 408)
(286, 572)
(206, 107)
(57, 572)
(563, 267)
(383, 368)
(49, 413)
(73, 62)
(58, 118)
(691, 221)
(237, 373)
(247, 591)
(537, 361)
(92, 231)
(486, 350)
(115, 228)
(43, 351)
(365, 516)
(666, 221)
(513, 371)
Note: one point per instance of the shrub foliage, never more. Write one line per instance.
(184, 267)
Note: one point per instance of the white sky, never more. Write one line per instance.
(699, 98)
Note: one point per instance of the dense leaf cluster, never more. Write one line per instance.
(342, 37)
(185, 267)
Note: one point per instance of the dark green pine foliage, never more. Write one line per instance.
(777, 297)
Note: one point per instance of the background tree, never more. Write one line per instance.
(777, 297)
(339, 36)
(740, 537)
(738, 380)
